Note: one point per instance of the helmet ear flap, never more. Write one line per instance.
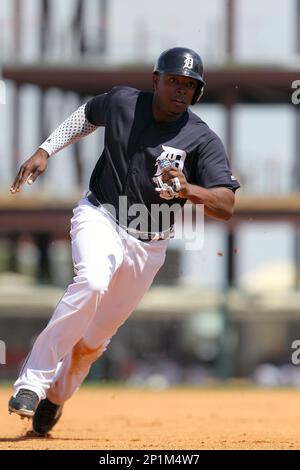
(198, 94)
(201, 93)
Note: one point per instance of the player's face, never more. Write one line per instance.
(173, 93)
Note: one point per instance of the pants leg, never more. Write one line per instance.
(140, 265)
(97, 255)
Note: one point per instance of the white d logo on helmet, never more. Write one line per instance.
(188, 63)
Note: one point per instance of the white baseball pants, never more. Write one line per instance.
(112, 273)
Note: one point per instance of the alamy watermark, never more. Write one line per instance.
(2, 92)
(296, 93)
(187, 222)
(295, 358)
(2, 352)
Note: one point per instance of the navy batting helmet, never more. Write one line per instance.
(185, 62)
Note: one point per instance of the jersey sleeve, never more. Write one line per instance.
(213, 167)
(95, 110)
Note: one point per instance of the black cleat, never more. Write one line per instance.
(24, 403)
(46, 416)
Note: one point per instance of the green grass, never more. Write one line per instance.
(221, 386)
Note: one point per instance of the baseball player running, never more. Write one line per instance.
(156, 152)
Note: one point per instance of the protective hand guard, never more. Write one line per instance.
(166, 191)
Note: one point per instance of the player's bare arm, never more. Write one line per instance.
(30, 170)
(218, 202)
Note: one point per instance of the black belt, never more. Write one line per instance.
(143, 236)
(93, 200)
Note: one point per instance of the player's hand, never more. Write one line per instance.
(30, 170)
(176, 178)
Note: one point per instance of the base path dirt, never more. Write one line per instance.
(116, 418)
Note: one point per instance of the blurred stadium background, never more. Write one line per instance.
(230, 310)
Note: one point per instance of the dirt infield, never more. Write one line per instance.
(116, 418)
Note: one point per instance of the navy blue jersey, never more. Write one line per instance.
(135, 142)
